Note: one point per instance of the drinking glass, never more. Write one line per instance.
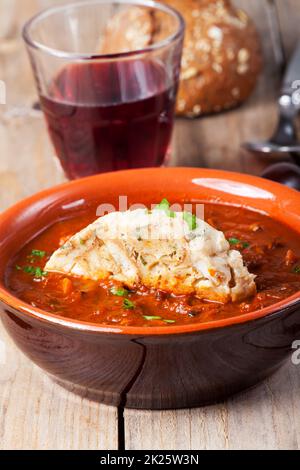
(107, 78)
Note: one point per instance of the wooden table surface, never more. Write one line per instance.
(37, 414)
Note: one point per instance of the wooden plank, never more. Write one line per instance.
(289, 19)
(35, 413)
(266, 417)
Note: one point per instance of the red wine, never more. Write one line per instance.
(110, 116)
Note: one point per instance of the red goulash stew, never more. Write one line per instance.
(270, 250)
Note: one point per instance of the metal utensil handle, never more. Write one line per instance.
(290, 92)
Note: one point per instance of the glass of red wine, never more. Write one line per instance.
(107, 74)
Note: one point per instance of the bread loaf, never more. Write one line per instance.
(130, 29)
(221, 58)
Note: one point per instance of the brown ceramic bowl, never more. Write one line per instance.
(154, 368)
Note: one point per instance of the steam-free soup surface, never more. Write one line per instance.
(271, 251)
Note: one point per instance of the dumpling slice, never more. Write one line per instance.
(160, 249)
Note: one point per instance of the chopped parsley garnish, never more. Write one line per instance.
(119, 291)
(236, 241)
(151, 318)
(35, 271)
(188, 217)
(296, 270)
(191, 220)
(38, 253)
(128, 305)
(164, 205)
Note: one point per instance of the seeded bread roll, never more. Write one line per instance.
(128, 30)
(221, 58)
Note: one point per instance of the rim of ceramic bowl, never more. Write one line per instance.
(172, 39)
(8, 299)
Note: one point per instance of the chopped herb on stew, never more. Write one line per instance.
(128, 305)
(164, 205)
(35, 271)
(18, 268)
(296, 270)
(119, 291)
(29, 269)
(38, 253)
(191, 220)
(236, 241)
(151, 318)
